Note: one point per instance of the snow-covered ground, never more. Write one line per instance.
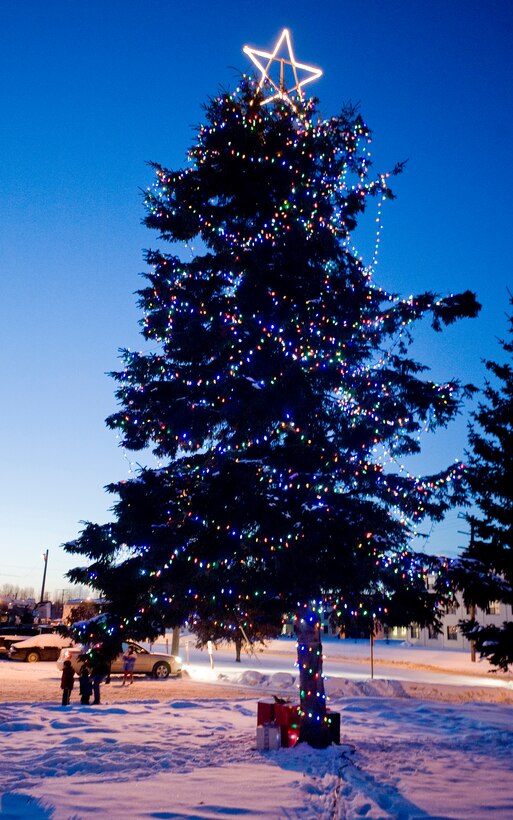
(431, 736)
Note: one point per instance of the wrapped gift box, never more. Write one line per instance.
(265, 712)
(334, 724)
(289, 737)
(268, 737)
(286, 714)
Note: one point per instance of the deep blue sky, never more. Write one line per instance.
(92, 91)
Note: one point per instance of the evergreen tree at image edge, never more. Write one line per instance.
(485, 570)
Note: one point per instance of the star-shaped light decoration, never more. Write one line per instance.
(281, 90)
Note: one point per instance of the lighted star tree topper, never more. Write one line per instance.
(268, 62)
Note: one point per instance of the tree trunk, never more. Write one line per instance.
(175, 643)
(314, 727)
(238, 647)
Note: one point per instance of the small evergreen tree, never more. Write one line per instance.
(278, 391)
(237, 625)
(485, 571)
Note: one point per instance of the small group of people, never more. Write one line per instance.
(68, 683)
(89, 680)
(92, 674)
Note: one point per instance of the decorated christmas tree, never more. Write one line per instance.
(277, 392)
(485, 571)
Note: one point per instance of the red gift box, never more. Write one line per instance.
(286, 714)
(265, 712)
(289, 737)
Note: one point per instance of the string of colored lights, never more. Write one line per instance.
(221, 344)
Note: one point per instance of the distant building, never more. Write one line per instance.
(88, 606)
(450, 636)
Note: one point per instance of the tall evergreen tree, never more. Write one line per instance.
(485, 571)
(278, 395)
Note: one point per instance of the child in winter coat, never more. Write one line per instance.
(86, 685)
(67, 682)
(128, 666)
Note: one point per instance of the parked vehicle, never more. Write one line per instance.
(46, 647)
(12, 634)
(157, 664)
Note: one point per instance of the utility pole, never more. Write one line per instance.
(45, 559)
(472, 606)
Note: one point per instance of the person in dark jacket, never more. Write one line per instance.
(100, 672)
(86, 685)
(67, 682)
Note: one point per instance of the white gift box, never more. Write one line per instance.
(268, 737)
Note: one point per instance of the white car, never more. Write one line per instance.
(38, 648)
(157, 664)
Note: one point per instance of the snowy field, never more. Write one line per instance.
(431, 736)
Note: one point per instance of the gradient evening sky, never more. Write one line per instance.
(92, 90)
